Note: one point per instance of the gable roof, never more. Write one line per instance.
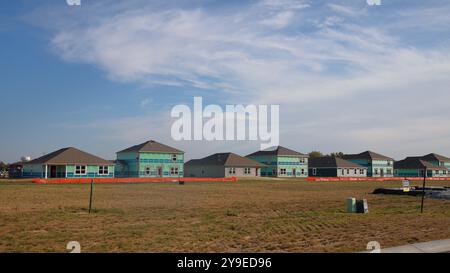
(69, 155)
(435, 157)
(226, 160)
(369, 155)
(151, 146)
(332, 162)
(278, 151)
(416, 162)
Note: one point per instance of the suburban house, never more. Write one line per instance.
(437, 160)
(15, 169)
(415, 167)
(333, 166)
(281, 162)
(377, 165)
(150, 159)
(68, 163)
(223, 165)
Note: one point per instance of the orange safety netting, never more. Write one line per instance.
(129, 180)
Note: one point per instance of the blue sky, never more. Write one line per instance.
(104, 75)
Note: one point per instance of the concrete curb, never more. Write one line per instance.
(441, 246)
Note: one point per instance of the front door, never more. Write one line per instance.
(160, 174)
(382, 173)
(52, 171)
(294, 172)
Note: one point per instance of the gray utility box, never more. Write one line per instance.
(362, 206)
(351, 205)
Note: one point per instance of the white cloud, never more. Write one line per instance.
(338, 61)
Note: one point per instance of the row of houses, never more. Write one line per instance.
(154, 159)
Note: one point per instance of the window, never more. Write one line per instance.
(80, 170)
(174, 158)
(303, 171)
(274, 172)
(314, 171)
(389, 171)
(247, 171)
(174, 171)
(302, 160)
(361, 171)
(147, 170)
(103, 170)
(355, 171)
(232, 171)
(376, 171)
(348, 171)
(283, 171)
(389, 163)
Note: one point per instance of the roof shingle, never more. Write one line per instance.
(69, 156)
(151, 146)
(278, 151)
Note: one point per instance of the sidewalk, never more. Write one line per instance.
(441, 246)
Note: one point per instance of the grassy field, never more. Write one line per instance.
(247, 216)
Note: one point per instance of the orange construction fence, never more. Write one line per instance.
(130, 180)
(376, 178)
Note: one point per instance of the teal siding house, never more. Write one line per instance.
(281, 162)
(377, 165)
(150, 159)
(438, 160)
(416, 166)
(68, 163)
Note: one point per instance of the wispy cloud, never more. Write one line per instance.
(324, 57)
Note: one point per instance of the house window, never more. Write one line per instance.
(232, 171)
(174, 158)
(103, 170)
(283, 171)
(174, 171)
(80, 170)
(389, 171)
(376, 171)
(348, 171)
(361, 171)
(314, 171)
(147, 170)
(355, 171)
(247, 171)
(302, 160)
(303, 171)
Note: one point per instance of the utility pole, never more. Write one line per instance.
(423, 188)
(90, 196)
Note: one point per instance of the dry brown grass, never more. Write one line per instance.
(247, 216)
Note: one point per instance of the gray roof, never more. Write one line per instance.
(369, 155)
(69, 156)
(435, 157)
(416, 162)
(278, 151)
(151, 146)
(226, 160)
(332, 162)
